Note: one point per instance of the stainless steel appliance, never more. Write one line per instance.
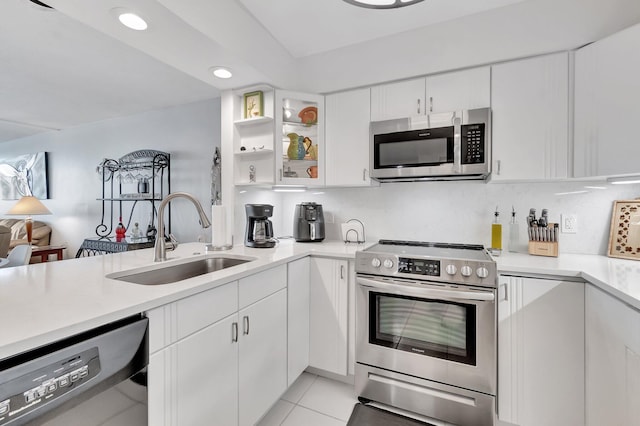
(426, 329)
(442, 146)
(94, 378)
(259, 232)
(308, 222)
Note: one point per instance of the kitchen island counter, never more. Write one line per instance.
(42, 303)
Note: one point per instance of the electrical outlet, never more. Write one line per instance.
(569, 223)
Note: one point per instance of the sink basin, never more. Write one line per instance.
(179, 272)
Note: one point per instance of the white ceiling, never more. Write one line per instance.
(308, 27)
(77, 64)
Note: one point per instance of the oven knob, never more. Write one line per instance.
(375, 262)
(388, 263)
(482, 272)
(466, 271)
(451, 269)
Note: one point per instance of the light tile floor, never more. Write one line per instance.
(313, 401)
(317, 401)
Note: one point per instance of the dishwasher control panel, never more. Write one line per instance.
(29, 391)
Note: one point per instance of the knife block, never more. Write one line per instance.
(543, 248)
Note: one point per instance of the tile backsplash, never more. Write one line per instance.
(452, 211)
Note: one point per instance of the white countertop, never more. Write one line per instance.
(619, 277)
(45, 302)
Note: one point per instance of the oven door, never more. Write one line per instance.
(433, 331)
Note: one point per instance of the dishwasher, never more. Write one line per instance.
(94, 378)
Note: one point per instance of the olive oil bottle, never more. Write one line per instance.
(496, 234)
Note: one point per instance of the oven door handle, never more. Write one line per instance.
(432, 293)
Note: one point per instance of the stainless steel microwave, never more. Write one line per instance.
(443, 146)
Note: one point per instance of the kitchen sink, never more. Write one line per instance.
(179, 272)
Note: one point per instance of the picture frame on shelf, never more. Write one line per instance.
(253, 104)
(624, 237)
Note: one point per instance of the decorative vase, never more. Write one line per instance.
(292, 151)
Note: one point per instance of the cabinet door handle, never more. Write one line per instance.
(342, 272)
(498, 164)
(430, 103)
(364, 175)
(418, 105)
(280, 171)
(245, 325)
(506, 292)
(234, 332)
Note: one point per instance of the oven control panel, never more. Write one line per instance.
(464, 271)
(407, 265)
(29, 391)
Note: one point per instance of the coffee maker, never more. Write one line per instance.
(259, 232)
(308, 222)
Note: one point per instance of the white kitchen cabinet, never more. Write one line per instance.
(613, 361)
(606, 104)
(298, 318)
(530, 118)
(253, 139)
(328, 315)
(398, 100)
(540, 352)
(299, 138)
(220, 357)
(453, 91)
(262, 356)
(347, 138)
(206, 363)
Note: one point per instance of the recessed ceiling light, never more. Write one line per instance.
(221, 72)
(382, 4)
(133, 21)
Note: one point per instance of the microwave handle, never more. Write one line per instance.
(484, 296)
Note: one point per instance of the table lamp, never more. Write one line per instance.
(29, 206)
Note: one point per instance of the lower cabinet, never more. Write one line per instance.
(263, 356)
(206, 363)
(204, 369)
(297, 318)
(541, 352)
(328, 315)
(613, 361)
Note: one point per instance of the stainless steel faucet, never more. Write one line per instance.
(161, 246)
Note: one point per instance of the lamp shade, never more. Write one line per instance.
(28, 206)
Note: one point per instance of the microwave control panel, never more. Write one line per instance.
(473, 146)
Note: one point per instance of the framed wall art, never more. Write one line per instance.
(253, 104)
(624, 238)
(24, 175)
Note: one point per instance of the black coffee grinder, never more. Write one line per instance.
(259, 232)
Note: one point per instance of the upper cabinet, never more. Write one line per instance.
(398, 100)
(299, 139)
(453, 91)
(607, 87)
(347, 138)
(467, 89)
(530, 109)
(253, 147)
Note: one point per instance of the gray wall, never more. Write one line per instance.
(188, 132)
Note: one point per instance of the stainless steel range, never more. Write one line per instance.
(426, 329)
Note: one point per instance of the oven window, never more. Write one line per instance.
(427, 327)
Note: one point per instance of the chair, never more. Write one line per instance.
(20, 255)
